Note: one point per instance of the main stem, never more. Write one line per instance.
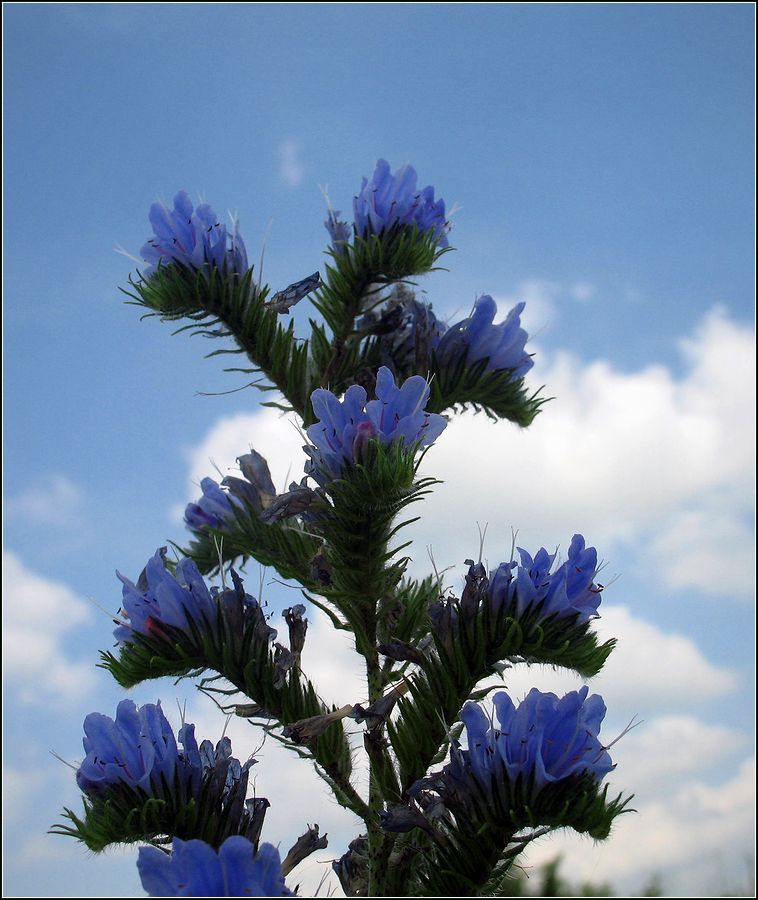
(375, 799)
(364, 505)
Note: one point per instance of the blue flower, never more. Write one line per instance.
(160, 598)
(214, 509)
(569, 590)
(193, 238)
(543, 741)
(476, 338)
(340, 437)
(195, 869)
(139, 751)
(389, 200)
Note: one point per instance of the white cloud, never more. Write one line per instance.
(650, 671)
(654, 758)
(655, 667)
(36, 614)
(331, 663)
(22, 787)
(53, 502)
(38, 849)
(290, 166)
(621, 457)
(689, 837)
(707, 548)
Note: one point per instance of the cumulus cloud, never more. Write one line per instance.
(290, 166)
(621, 457)
(649, 672)
(692, 837)
(36, 615)
(654, 759)
(54, 501)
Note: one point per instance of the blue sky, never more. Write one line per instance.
(602, 157)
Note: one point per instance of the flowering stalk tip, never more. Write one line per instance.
(193, 238)
(341, 436)
(387, 201)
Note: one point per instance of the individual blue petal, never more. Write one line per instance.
(189, 742)
(202, 872)
(237, 251)
(159, 876)
(249, 874)
(476, 722)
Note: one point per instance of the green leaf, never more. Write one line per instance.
(496, 393)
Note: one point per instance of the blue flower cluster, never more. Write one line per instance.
(139, 751)
(409, 333)
(569, 590)
(195, 869)
(544, 740)
(529, 589)
(388, 200)
(340, 437)
(477, 338)
(193, 238)
(160, 598)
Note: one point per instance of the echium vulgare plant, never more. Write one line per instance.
(460, 782)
